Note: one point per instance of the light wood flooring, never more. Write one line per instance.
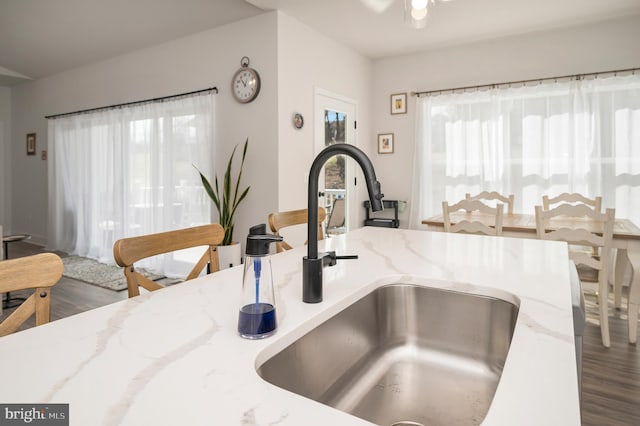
(69, 296)
(611, 377)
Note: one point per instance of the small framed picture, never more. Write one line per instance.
(31, 144)
(399, 103)
(385, 143)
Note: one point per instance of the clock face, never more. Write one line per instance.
(246, 85)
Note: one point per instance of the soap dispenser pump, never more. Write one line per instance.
(257, 317)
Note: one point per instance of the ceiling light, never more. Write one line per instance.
(419, 14)
(415, 12)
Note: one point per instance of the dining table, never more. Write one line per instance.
(626, 239)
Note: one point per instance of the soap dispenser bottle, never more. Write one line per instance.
(257, 317)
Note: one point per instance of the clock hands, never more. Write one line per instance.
(244, 82)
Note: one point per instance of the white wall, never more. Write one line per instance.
(5, 159)
(196, 62)
(601, 47)
(293, 60)
(308, 60)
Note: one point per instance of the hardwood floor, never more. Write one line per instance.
(610, 377)
(69, 296)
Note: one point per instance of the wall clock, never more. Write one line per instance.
(245, 85)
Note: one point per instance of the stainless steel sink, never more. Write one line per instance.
(403, 355)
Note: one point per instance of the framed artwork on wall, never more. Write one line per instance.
(385, 143)
(399, 103)
(31, 144)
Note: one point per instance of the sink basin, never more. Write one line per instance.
(403, 355)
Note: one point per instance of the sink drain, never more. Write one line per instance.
(407, 423)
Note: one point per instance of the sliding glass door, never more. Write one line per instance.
(129, 171)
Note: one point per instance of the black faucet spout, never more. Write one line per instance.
(313, 263)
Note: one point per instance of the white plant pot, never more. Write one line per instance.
(229, 256)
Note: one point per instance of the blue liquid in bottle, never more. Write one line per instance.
(257, 320)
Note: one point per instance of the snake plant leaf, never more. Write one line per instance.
(225, 205)
(244, 194)
(209, 190)
(244, 154)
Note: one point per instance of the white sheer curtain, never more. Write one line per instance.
(129, 171)
(578, 136)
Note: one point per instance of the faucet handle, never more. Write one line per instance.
(347, 257)
(329, 258)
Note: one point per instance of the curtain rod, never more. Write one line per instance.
(539, 80)
(160, 99)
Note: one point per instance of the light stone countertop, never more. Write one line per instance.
(173, 357)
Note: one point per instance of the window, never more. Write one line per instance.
(129, 171)
(578, 136)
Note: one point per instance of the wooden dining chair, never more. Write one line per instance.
(571, 198)
(39, 273)
(493, 196)
(280, 220)
(478, 218)
(128, 251)
(597, 233)
(574, 198)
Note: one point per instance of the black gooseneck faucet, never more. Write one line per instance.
(313, 263)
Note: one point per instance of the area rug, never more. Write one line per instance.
(100, 274)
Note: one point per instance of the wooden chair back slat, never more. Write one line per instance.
(128, 251)
(280, 220)
(39, 272)
(210, 256)
(509, 200)
(469, 224)
(571, 198)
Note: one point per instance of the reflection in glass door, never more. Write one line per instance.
(335, 191)
(334, 119)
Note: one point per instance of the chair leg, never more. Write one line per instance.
(603, 294)
(633, 322)
(633, 302)
(618, 276)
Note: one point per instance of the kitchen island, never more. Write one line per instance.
(174, 357)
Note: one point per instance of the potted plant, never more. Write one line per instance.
(226, 203)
